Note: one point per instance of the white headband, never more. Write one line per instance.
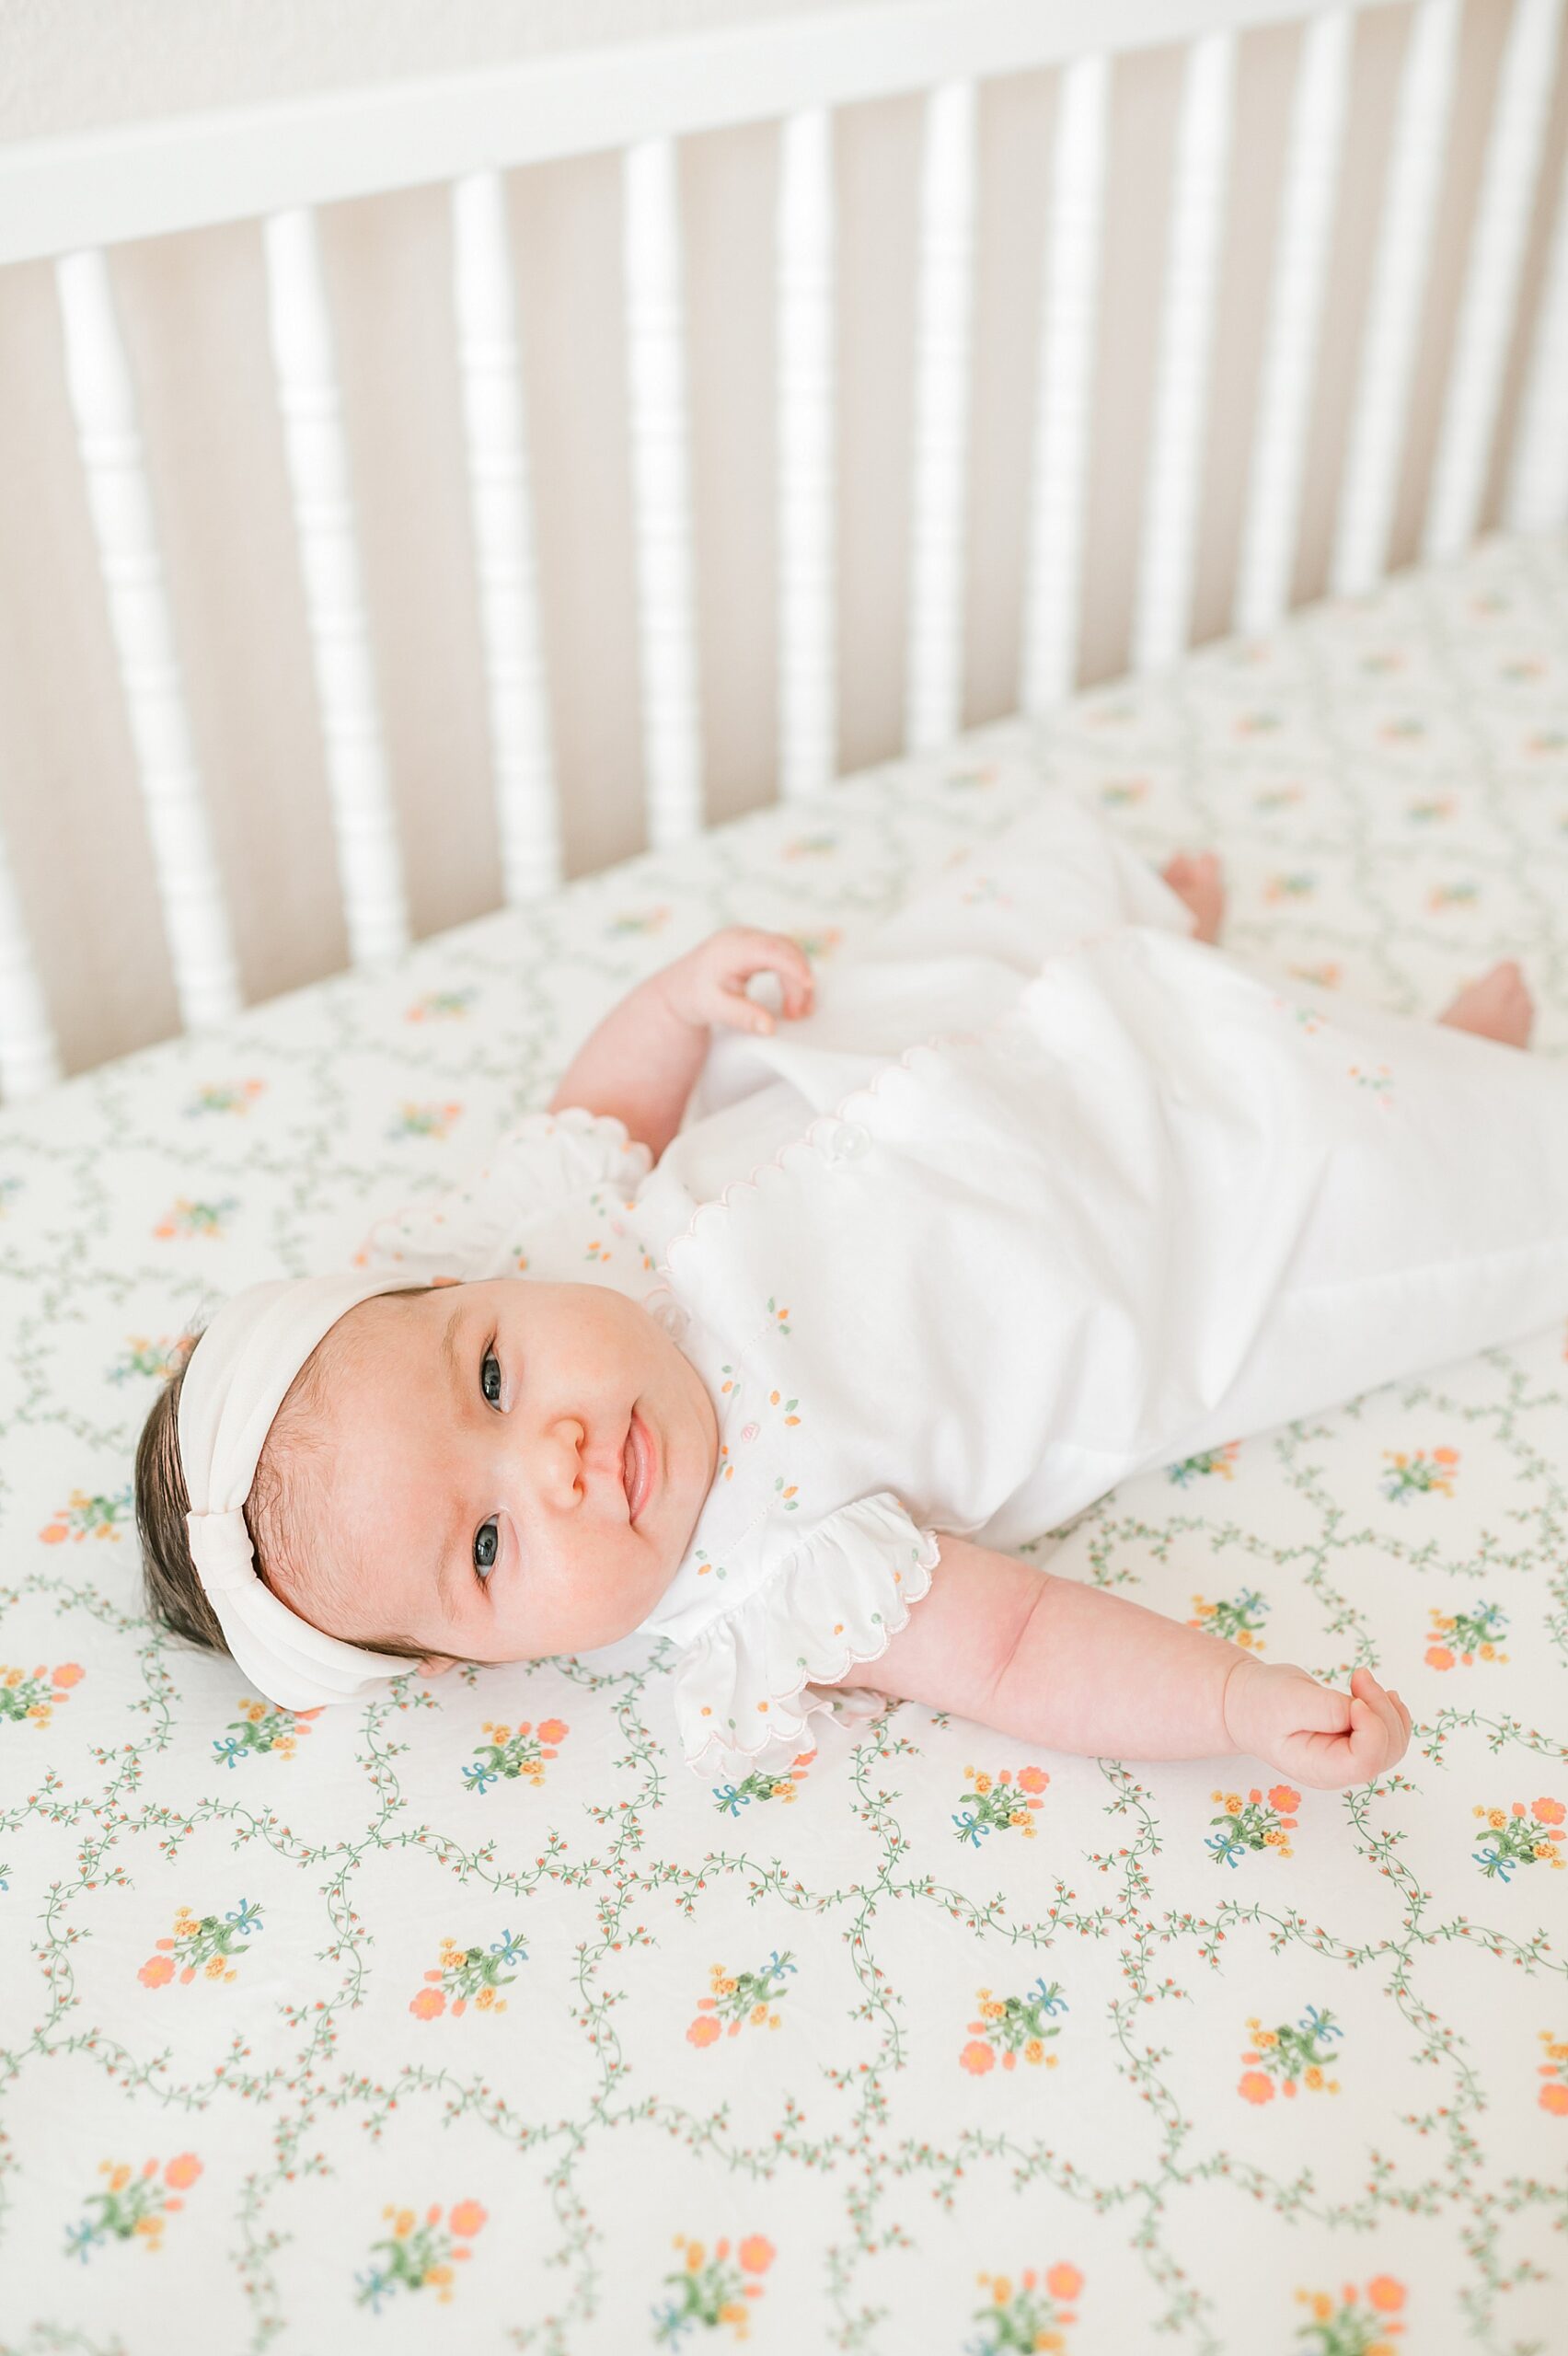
(234, 1384)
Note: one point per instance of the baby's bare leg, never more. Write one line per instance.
(1194, 877)
(1497, 1007)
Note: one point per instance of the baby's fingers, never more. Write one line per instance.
(1377, 1728)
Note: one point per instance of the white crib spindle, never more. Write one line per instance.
(1496, 256)
(1301, 252)
(1538, 473)
(368, 857)
(1393, 307)
(655, 332)
(29, 1055)
(206, 977)
(1053, 593)
(807, 671)
(933, 695)
(500, 502)
(1162, 615)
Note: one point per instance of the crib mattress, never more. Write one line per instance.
(468, 2017)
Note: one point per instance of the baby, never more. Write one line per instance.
(444, 1467)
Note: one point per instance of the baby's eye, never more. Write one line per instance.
(490, 1358)
(486, 1546)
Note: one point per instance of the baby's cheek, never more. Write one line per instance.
(605, 1600)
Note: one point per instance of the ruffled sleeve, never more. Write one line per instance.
(496, 1222)
(744, 1687)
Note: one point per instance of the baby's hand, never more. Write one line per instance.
(1317, 1737)
(707, 985)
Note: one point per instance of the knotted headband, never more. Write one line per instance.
(234, 1382)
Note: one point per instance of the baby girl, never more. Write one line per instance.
(793, 1420)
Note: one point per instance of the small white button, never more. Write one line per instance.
(844, 1142)
(673, 1318)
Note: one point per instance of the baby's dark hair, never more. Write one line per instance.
(279, 1529)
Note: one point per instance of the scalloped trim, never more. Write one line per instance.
(827, 1664)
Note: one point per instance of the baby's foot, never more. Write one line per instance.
(1497, 1007)
(1196, 880)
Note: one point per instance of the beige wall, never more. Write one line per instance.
(193, 318)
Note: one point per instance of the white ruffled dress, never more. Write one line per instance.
(1042, 1194)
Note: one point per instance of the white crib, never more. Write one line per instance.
(1409, 214)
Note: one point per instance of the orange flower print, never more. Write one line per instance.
(440, 1006)
(195, 1219)
(1521, 1836)
(514, 1752)
(1237, 1618)
(1346, 2328)
(419, 2254)
(1421, 1475)
(1208, 1460)
(1282, 2059)
(739, 1999)
(1029, 2313)
(993, 1804)
(204, 1944)
(132, 2208)
(713, 2290)
(89, 1515)
(1467, 1636)
(1252, 1823)
(25, 1698)
(424, 1120)
(764, 1783)
(263, 1726)
(468, 1975)
(225, 1096)
(1014, 2029)
(1554, 2070)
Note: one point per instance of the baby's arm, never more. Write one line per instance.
(642, 1063)
(1078, 1669)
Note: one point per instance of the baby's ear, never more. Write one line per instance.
(435, 1668)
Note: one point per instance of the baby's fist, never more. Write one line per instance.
(1322, 1739)
(706, 987)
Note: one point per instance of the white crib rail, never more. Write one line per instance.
(1393, 308)
(808, 732)
(933, 693)
(1497, 247)
(501, 501)
(195, 919)
(1065, 376)
(1191, 272)
(655, 348)
(276, 167)
(368, 858)
(1279, 431)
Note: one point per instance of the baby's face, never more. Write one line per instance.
(475, 1469)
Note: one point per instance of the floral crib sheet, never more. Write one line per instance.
(470, 2019)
